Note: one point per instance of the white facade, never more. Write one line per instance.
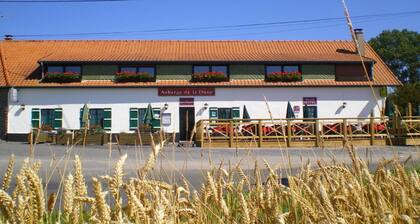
(359, 101)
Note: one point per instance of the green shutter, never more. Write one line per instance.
(156, 118)
(81, 118)
(36, 117)
(107, 119)
(58, 118)
(134, 118)
(235, 113)
(213, 112)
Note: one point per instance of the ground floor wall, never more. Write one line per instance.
(331, 102)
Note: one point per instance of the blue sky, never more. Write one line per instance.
(140, 15)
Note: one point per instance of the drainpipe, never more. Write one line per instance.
(42, 70)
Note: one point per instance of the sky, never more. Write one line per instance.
(145, 19)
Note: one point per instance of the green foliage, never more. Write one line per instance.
(409, 93)
(61, 77)
(284, 77)
(400, 50)
(134, 77)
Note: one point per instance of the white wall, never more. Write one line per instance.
(360, 102)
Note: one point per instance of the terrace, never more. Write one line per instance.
(308, 132)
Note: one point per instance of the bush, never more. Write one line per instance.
(133, 77)
(209, 77)
(61, 77)
(284, 77)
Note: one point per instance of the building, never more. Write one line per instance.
(327, 80)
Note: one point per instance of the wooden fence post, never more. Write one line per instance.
(410, 114)
(230, 133)
(260, 133)
(289, 133)
(344, 131)
(317, 140)
(372, 129)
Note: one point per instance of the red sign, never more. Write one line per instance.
(186, 102)
(296, 109)
(309, 100)
(203, 91)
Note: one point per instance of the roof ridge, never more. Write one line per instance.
(174, 40)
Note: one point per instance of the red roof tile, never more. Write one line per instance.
(22, 57)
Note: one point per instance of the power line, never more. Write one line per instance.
(229, 27)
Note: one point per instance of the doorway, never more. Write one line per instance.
(186, 122)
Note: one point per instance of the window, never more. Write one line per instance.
(224, 113)
(47, 119)
(200, 69)
(74, 69)
(271, 69)
(290, 68)
(210, 68)
(128, 69)
(137, 117)
(281, 68)
(138, 69)
(141, 115)
(96, 118)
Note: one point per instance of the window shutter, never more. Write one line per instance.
(36, 117)
(156, 118)
(236, 113)
(134, 118)
(58, 118)
(81, 118)
(107, 119)
(213, 113)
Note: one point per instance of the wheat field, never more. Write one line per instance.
(331, 193)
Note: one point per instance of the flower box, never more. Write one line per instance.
(284, 77)
(209, 77)
(133, 77)
(61, 77)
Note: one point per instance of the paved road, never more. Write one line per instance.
(191, 162)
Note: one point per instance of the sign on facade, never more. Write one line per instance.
(166, 119)
(203, 91)
(309, 100)
(296, 109)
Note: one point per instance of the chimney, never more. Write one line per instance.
(360, 41)
(8, 37)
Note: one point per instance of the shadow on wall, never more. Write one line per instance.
(370, 106)
(19, 112)
(338, 111)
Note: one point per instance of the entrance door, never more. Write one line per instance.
(310, 112)
(186, 122)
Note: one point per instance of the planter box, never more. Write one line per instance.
(42, 137)
(91, 139)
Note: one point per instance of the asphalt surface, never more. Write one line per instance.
(175, 161)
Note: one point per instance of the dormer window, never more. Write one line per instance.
(138, 69)
(270, 69)
(63, 69)
(211, 68)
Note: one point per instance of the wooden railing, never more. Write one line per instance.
(304, 131)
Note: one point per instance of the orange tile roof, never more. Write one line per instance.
(22, 58)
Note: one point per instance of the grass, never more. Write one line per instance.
(328, 194)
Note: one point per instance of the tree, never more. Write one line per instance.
(408, 93)
(400, 50)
